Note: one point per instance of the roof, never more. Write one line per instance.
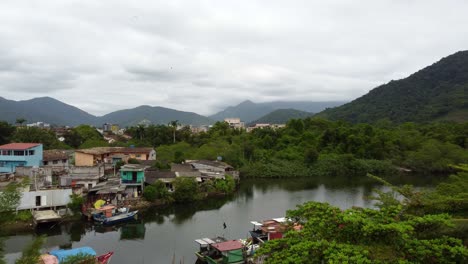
(228, 245)
(19, 146)
(105, 150)
(152, 175)
(182, 167)
(218, 164)
(133, 167)
(54, 154)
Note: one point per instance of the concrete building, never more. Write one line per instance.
(234, 122)
(56, 158)
(44, 199)
(132, 176)
(20, 154)
(94, 156)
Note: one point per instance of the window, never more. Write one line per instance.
(46, 162)
(55, 162)
(2, 164)
(31, 152)
(18, 153)
(6, 152)
(138, 155)
(64, 161)
(38, 200)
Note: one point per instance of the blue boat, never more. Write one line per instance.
(108, 215)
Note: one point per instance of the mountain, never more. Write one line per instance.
(437, 92)
(249, 111)
(43, 109)
(52, 111)
(281, 116)
(154, 114)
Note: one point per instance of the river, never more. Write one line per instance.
(163, 234)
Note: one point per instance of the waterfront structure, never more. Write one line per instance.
(20, 154)
(132, 176)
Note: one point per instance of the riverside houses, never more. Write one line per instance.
(19, 154)
(112, 155)
(132, 176)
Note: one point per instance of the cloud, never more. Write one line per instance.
(205, 55)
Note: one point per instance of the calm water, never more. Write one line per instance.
(162, 233)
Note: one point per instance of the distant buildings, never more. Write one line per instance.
(20, 154)
(39, 124)
(107, 127)
(234, 122)
(94, 156)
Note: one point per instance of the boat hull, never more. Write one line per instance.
(119, 218)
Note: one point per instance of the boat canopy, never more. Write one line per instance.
(62, 254)
(228, 245)
(99, 203)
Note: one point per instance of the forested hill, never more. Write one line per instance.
(437, 92)
(282, 116)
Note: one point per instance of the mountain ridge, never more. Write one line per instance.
(436, 92)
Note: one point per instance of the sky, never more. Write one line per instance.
(202, 56)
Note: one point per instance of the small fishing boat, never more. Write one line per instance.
(220, 251)
(268, 229)
(109, 215)
(60, 255)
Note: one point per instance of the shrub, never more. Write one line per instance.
(150, 193)
(185, 189)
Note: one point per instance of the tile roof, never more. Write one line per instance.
(104, 150)
(54, 154)
(19, 146)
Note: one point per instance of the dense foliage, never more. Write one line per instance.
(281, 116)
(311, 147)
(437, 92)
(359, 235)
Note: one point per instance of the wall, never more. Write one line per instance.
(83, 159)
(128, 176)
(49, 198)
(11, 161)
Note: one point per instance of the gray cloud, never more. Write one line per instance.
(205, 55)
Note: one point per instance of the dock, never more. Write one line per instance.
(45, 216)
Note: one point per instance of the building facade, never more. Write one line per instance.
(20, 154)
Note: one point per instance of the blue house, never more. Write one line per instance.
(19, 154)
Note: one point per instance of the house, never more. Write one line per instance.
(110, 128)
(93, 156)
(234, 122)
(56, 158)
(20, 154)
(41, 199)
(213, 169)
(82, 178)
(152, 175)
(132, 176)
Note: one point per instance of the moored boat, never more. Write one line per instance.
(109, 215)
(61, 255)
(222, 252)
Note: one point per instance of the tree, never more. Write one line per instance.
(32, 252)
(6, 132)
(174, 125)
(10, 199)
(20, 121)
(35, 134)
(185, 189)
(357, 235)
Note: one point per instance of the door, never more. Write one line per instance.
(134, 176)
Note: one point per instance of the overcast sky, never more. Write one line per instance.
(201, 56)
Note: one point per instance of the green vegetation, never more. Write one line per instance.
(76, 203)
(32, 252)
(316, 147)
(9, 200)
(80, 258)
(35, 134)
(185, 189)
(438, 92)
(417, 229)
(359, 235)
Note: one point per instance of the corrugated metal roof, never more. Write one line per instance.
(19, 146)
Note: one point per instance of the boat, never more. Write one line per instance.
(109, 215)
(220, 251)
(268, 229)
(60, 255)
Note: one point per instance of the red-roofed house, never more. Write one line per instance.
(19, 154)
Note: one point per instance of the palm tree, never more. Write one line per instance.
(174, 125)
(20, 121)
